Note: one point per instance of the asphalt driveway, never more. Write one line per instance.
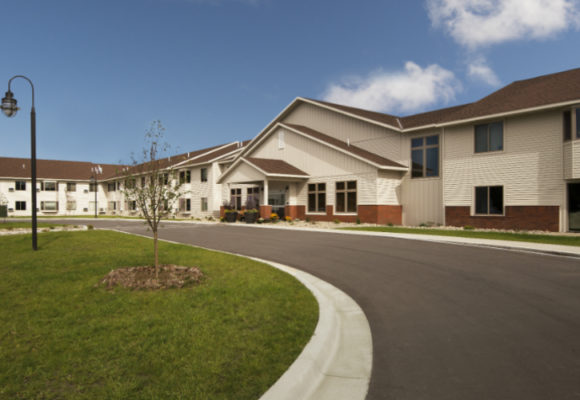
(448, 321)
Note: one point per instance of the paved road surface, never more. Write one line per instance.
(448, 321)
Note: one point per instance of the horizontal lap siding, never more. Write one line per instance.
(422, 201)
(530, 167)
(572, 159)
(368, 136)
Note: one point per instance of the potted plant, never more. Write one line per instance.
(251, 213)
(230, 213)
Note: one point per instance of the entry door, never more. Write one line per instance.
(574, 206)
(277, 199)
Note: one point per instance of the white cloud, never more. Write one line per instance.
(479, 70)
(405, 91)
(475, 23)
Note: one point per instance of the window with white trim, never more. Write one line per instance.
(425, 156)
(488, 137)
(20, 206)
(317, 197)
(48, 186)
(71, 187)
(489, 200)
(346, 197)
(20, 185)
(49, 205)
(203, 174)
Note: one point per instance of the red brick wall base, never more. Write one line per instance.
(265, 212)
(295, 212)
(545, 218)
(374, 214)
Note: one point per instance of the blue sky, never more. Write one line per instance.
(215, 71)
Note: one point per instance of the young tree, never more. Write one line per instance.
(151, 183)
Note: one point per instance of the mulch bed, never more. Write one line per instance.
(143, 278)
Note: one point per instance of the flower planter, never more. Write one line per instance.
(251, 217)
(231, 216)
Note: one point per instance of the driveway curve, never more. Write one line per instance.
(448, 321)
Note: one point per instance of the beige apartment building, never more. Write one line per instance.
(509, 161)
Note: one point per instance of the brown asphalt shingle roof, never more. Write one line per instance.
(372, 115)
(279, 167)
(385, 162)
(53, 169)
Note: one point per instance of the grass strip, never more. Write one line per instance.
(519, 237)
(63, 338)
(27, 225)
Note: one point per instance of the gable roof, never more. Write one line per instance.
(552, 89)
(346, 147)
(53, 169)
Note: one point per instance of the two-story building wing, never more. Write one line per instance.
(510, 161)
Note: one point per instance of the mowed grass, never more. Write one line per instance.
(27, 225)
(521, 237)
(61, 337)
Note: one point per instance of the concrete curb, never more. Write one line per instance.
(336, 363)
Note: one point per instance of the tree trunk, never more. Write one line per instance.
(156, 254)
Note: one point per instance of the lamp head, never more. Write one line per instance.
(8, 106)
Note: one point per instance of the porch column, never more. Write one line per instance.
(265, 209)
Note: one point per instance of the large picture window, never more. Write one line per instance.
(317, 197)
(489, 200)
(346, 197)
(425, 157)
(489, 137)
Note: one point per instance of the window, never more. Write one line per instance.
(49, 205)
(132, 205)
(346, 196)
(204, 204)
(184, 177)
(48, 186)
(20, 185)
(71, 205)
(111, 187)
(20, 205)
(204, 174)
(425, 157)
(92, 187)
(71, 187)
(236, 198)
(578, 123)
(112, 205)
(489, 200)
(317, 197)
(567, 124)
(489, 137)
(163, 179)
(184, 205)
(253, 197)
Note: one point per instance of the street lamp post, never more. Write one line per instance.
(9, 108)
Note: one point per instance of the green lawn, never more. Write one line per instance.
(63, 338)
(521, 237)
(17, 224)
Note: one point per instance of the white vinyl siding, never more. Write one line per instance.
(530, 168)
(382, 141)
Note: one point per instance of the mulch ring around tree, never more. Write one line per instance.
(143, 278)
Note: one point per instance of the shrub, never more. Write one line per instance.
(288, 218)
(90, 227)
(390, 224)
(336, 221)
(468, 228)
(260, 220)
(274, 217)
(357, 220)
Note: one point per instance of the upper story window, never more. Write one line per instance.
(185, 177)
(92, 187)
(71, 187)
(20, 185)
(571, 119)
(48, 186)
(111, 187)
(489, 137)
(203, 176)
(425, 156)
